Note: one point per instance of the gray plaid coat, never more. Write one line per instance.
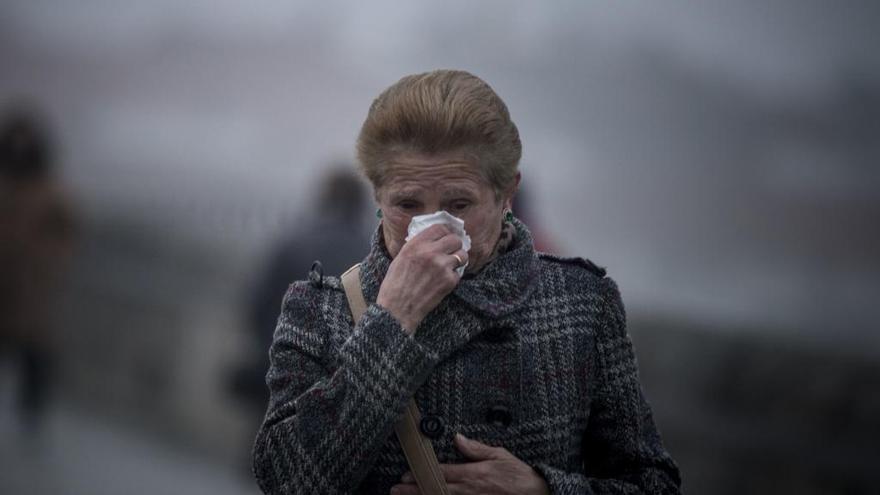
(531, 354)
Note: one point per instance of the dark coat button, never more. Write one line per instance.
(499, 415)
(496, 334)
(432, 426)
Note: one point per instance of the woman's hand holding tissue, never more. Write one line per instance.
(421, 275)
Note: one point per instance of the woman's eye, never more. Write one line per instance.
(407, 205)
(461, 205)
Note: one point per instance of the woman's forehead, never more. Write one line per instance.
(444, 176)
(444, 190)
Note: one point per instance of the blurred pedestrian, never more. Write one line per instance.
(36, 239)
(332, 232)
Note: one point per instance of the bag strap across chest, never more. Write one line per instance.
(418, 448)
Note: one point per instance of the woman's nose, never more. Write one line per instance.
(429, 208)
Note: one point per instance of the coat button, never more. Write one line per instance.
(497, 334)
(498, 415)
(431, 426)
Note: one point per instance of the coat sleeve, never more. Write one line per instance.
(622, 449)
(324, 427)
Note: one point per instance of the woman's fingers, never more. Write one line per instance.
(451, 472)
(457, 473)
(432, 233)
(479, 451)
(502, 472)
(447, 248)
(405, 489)
(458, 258)
(439, 237)
(447, 244)
(421, 275)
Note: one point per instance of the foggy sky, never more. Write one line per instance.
(719, 158)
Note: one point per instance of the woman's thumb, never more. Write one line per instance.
(473, 449)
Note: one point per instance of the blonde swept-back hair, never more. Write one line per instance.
(438, 112)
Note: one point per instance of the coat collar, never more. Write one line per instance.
(499, 288)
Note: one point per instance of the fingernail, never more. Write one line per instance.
(461, 437)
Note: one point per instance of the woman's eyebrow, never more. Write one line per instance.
(458, 192)
(410, 193)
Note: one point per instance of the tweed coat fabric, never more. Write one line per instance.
(530, 354)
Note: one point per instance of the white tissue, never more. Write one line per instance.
(422, 222)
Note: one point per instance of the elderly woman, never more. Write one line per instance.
(522, 364)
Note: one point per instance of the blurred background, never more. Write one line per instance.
(169, 166)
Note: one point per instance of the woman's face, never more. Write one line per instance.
(418, 184)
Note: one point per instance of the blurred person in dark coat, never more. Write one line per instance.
(36, 237)
(333, 232)
(525, 354)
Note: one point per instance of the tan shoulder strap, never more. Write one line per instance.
(417, 447)
(351, 282)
